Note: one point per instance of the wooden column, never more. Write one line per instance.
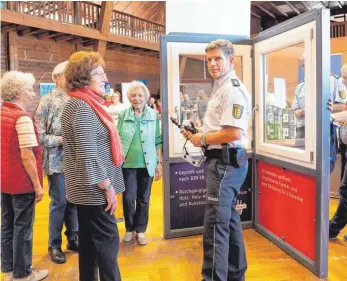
(12, 35)
(104, 26)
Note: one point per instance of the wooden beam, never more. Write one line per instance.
(256, 15)
(63, 38)
(105, 17)
(22, 19)
(46, 35)
(339, 3)
(305, 5)
(138, 9)
(100, 47)
(89, 42)
(28, 31)
(182, 66)
(8, 27)
(278, 10)
(295, 9)
(266, 11)
(13, 55)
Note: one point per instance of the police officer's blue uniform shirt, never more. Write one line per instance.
(229, 105)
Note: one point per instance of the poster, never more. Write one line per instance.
(188, 196)
(46, 88)
(287, 206)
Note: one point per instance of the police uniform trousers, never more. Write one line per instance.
(224, 251)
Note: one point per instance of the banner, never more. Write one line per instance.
(287, 206)
(188, 196)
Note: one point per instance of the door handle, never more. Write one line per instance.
(255, 108)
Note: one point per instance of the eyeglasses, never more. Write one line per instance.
(101, 75)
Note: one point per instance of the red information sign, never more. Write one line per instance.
(287, 206)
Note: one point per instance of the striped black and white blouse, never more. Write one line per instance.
(87, 155)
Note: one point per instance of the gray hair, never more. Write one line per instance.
(13, 83)
(134, 85)
(225, 45)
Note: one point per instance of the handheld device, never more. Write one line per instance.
(191, 128)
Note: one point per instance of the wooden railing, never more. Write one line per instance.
(88, 14)
(127, 25)
(338, 29)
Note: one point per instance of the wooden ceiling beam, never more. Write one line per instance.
(256, 15)
(266, 11)
(63, 37)
(278, 10)
(154, 15)
(138, 9)
(294, 9)
(130, 2)
(8, 27)
(28, 31)
(305, 5)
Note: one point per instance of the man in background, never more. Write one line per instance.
(49, 128)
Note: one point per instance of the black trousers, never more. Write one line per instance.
(99, 244)
(137, 190)
(339, 220)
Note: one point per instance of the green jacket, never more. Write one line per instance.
(150, 134)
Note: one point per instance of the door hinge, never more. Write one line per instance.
(252, 53)
(312, 156)
(311, 33)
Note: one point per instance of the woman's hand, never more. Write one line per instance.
(111, 200)
(158, 171)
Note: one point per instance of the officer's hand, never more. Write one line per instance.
(195, 140)
(187, 135)
(330, 105)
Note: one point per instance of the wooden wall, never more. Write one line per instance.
(3, 51)
(339, 46)
(41, 56)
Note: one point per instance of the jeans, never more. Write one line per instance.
(137, 189)
(339, 220)
(99, 244)
(60, 211)
(224, 250)
(17, 220)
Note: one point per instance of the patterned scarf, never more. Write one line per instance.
(95, 101)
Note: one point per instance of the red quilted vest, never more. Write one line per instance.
(14, 178)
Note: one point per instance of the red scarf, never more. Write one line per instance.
(95, 101)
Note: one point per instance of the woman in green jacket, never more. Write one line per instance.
(139, 131)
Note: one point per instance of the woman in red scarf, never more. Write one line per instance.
(92, 160)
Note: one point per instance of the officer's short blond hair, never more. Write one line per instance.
(344, 68)
(225, 45)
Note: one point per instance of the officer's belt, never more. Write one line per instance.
(217, 153)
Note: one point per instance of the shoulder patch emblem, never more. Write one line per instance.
(235, 82)
(342, 94)
(237, 111)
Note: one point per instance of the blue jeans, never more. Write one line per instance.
(17, 219)
(60, 211)
(224, 250)
(137, 189)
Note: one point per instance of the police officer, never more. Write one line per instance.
(339, 220)
(224, 132)
(299, 99)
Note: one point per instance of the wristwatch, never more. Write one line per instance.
(107, 188)
(203, 139)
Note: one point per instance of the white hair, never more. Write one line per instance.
(344, 68)
(13, 83)
(59, 69)
(137, 85)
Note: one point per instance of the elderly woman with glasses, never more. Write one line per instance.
(21, 177)
(93, 157)
(139, 130)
